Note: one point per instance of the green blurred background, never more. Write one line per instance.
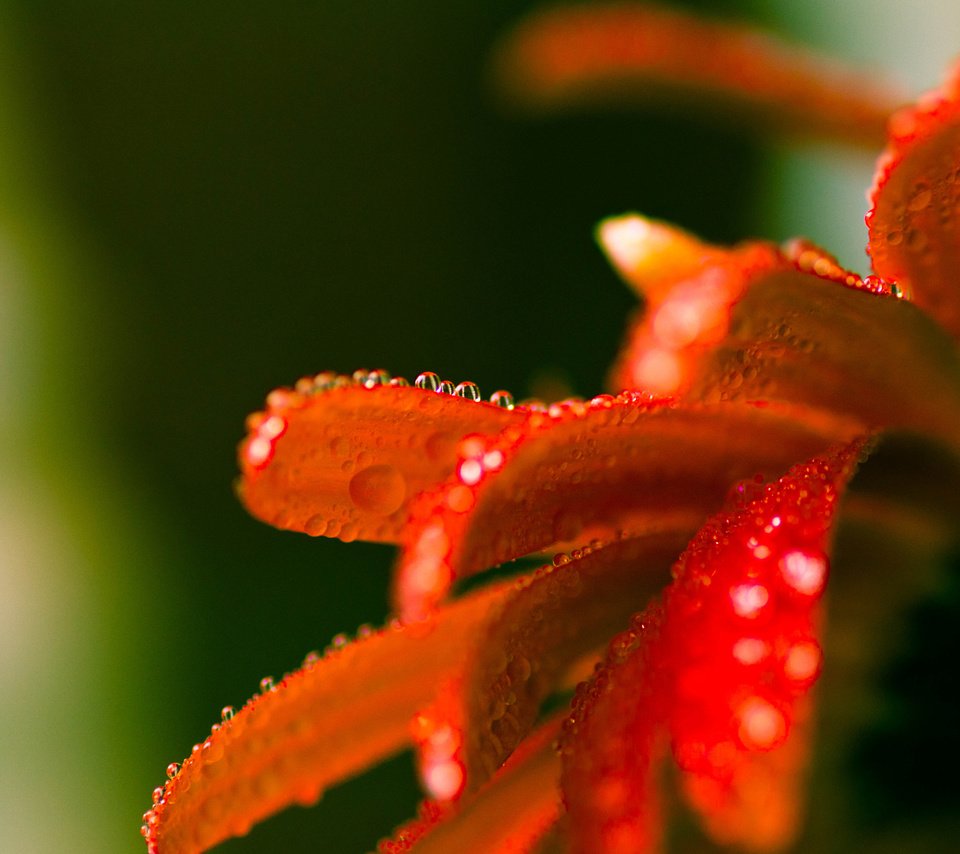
(199, 202)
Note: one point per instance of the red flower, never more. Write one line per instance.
(743, 363)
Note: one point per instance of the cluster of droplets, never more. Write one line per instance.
(429, 381)
(807, 257)
(740, 631)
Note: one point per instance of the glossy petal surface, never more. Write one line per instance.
(914, 222)
(341, 459)
(326, 722)
(641, 52)
(590, 470)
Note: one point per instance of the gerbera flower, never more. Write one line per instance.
(757, 379)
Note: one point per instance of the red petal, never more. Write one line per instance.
(688, 287)
(603, 466)
(621, 51)
(741, 641)
(326, 722)
(914, 222)
(611, 747)
(339, 458)
(563, 611)
(795, 337)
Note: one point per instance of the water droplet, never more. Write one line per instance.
(172, 770)
(158, 794)
(561, 559)
(340, 641)
(360, 375)
(266, 684)
(471, 391)
(311, 658)
(378, 489)
(921, 198)
(445, 387)
(364, 631)
(378, 377)
(227, 713)
(502, 399)
(399, 382)
(428, 380)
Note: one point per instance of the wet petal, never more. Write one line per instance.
(586, 470)
(612, 744)
(510, 814)
(342, 457)
(320, 725)
(688, 287)
(914, 222)
(632, 52)
(741, 640)
(561, 612)
(797, 337)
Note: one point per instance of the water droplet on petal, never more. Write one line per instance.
(502, 399)
(378, 377)
(471, 391)
(311, 658)
(172, 770)
(340, 641)
(445, 387)
(428, 380)
(378, 489)
(266, 684)
(227, 713)
(399, 382)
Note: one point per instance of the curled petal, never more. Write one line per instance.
(338, 457)
(642, 52)
(741, 642)
(797, 337)
(590, 470)
(320, 725)
(689, 288)
(559, 613)
(914, 221)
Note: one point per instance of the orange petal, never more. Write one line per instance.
(339, 457)
(630, 52)
(688, 287)
(914, 222)
(796, 337)
(509, 815)
(607, 465)
(560, 612)
(741, 641)
(326, 722)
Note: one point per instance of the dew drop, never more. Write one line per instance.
(227, 713)
(311, 658)
(503, 399)
(921, 198)
(428, 380)
(172, 770)
(378, 489)
(266, 684)
(364, 631)
(340, 641)
(471, 391)
(399, 382)
(158, 794)
(378, 377)
(360, 376)
(445, 387)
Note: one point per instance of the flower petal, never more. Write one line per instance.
(611, 746)
(629, 52)
(914, 221)
(584, 470)
(563, 611)
(741, 642)
(688, 288)
(326, 722)
(341, 457)
(747, 584)
(510, 814)
(799, 338)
